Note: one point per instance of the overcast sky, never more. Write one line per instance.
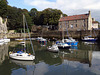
(69, 7)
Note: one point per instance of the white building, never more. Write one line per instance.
(95, 24)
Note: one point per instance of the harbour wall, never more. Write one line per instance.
(55, 34)
(74, 34)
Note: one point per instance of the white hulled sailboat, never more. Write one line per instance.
(20, 55)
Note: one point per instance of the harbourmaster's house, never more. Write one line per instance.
(77, 22)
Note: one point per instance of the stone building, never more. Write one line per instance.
(3, 26)
(76, 22)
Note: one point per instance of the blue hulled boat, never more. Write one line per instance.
(89, 39)
(71, 41)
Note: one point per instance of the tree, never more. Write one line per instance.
(51, 16)
(28, 18)
(3, 8)
(15, 19)
(33, 14)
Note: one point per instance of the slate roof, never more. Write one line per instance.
(74, 17)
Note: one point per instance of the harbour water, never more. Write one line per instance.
(81, 60)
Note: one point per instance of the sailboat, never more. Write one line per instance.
(70, 40)
(62, 44)
(20, 55)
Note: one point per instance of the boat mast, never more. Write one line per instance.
(29, 35)
(62, 33)
(24, 26)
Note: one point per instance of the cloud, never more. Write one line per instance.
(65, 4)
(41, 69)
(69, 7)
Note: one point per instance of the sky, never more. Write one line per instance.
(69, 7)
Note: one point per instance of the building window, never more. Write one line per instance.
(60, 26)
(71, 25)
(84, 20)
(76, 25)
(75, 20)
(67, 21)
(84, 25)
(68, 26)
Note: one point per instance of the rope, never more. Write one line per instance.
(29, 36)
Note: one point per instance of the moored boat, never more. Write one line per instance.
(21, 56)
(71, 41)
(53, 48)
(62, 45)
(89, 39)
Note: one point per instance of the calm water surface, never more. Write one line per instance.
(81, 60)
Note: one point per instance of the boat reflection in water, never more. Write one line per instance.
(28, 67)
(74, 47)
(77, 55)
(89, 43)
(83, 60)
(22, 62)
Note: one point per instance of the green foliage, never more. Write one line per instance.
(46, 17)
(28, 18)
(3, 8)
(14, 15)
(33, 14)
(14, 18)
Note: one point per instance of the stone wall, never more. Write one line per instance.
(56, 34)
(3, 26)
(74, 34)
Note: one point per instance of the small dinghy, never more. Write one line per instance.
(53, 48)
(21, 56)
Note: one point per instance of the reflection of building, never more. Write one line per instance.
(78, 55)
(3, 52)
(76, 22)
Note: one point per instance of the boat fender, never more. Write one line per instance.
(29, 53)
(10, 52)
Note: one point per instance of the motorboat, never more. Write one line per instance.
(1, 41)
(23, 42)
(53, 48)
(19, 40)
(21, 56)
(62, 45)
(71, 41)
(89, 39)
(6, 40)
